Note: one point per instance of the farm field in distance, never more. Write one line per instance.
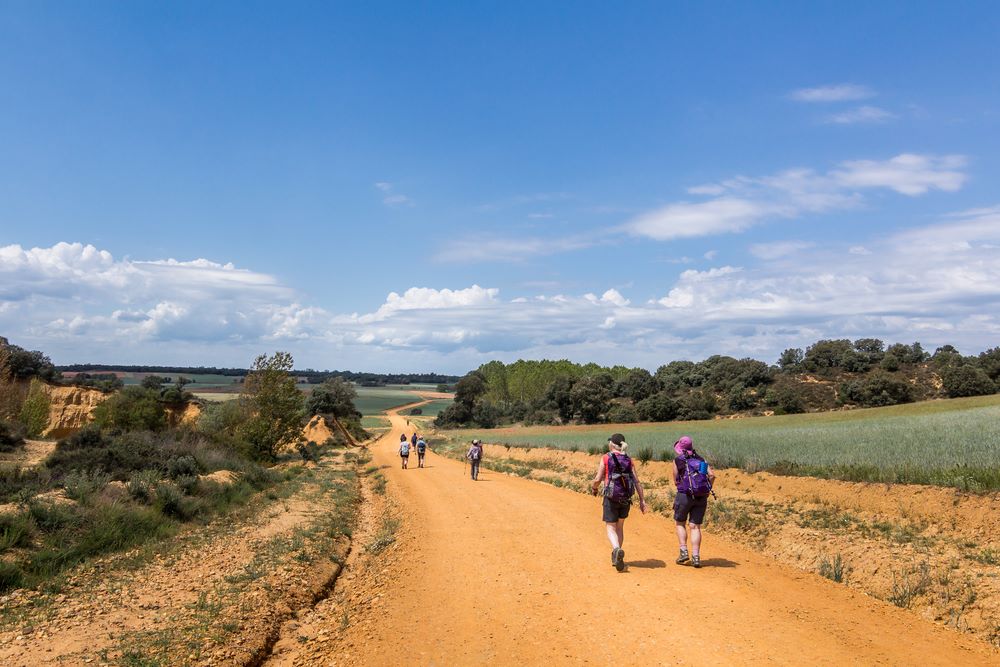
(952, 442)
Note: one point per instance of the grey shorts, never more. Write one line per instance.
(689, 508)
(614, 511)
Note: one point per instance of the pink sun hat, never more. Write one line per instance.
(684, 445)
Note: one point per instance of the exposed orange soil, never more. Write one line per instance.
(507, 570)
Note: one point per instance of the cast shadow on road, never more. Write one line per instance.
(649, 563)
(718, 562)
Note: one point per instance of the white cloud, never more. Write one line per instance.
(687, 219)
(512, 249)
(778, 249)
(842, 92)
(743, 202)
(938, 283)
(860, 115)
(390, 197)
(907, 174)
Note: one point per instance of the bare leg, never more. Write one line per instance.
(695, 539)
(613, 535)
(620, 532)
(682, 535)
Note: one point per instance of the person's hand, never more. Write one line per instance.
(642, 506)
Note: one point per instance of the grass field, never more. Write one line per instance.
(375, 400)
(948, 443)
(434, 408)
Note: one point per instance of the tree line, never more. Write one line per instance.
(827, 375)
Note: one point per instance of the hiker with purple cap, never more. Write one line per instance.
(620, 483)
(693, 479)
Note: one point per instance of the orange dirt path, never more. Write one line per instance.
(506, 570)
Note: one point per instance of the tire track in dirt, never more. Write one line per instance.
(507, 570)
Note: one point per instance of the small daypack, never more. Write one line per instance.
(694, 477)
(475, 453)
(404, 449)
(619, 487)
(421, 446)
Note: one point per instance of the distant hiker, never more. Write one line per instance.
(475, 456)
(413, 440)
(620, 482)
(421, 450)
(693, 479)
(404, 450)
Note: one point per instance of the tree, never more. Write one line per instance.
(131, 409)
(966, 381)
(469, 389)
(659, 407)
(334, 397)
(791, 359)
(826, 355)
(989, 361)
(636, 385)
(559, 397)
(35, 409)
(591, 397)
(153, 382)
(274, 404)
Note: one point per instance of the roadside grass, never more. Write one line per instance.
(214, 618)
(954, 443)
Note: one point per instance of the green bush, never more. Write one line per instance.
(169, 500)
(35, 409)
(132, 409)
(142, 485)
(15, 530)
(645, 455)
(83, 485)
(182, 466)
(53, 517)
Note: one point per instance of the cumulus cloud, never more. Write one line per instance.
(841, 92)
(938, 283)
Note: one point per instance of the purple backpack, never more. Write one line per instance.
(694, 476)
(619, 487)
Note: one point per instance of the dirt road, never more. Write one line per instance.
(510, 571)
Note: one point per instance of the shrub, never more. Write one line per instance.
(832, 569)
(309, 451)
(170, 500)
(118, 456)
(645, 455)
(53, 517)
(15, 530)
(142, 485)
(82, 485)
(131, 409)
(621, 413)
(35, 409)
(416, 411)
(182, 466)
(11, 437)
(966, 381)
(659, 407)
(187, 483)
(595, 450)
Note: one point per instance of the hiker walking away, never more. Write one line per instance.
(693, 479)
(620, 483)
(413, 439)
(404, 450)
(421, 450)
(475, 456)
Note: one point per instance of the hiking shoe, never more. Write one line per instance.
(614, 555)
(620, 560)
(696, 561)
(682, 558)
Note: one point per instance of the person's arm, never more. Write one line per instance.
(677, 475)
(638, 490)
(598, 478)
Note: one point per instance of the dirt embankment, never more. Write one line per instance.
(932, 550)
(183, 414)
(70, 409)
(214, 595)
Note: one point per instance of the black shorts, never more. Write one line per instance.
(614, 511)
(690, 508)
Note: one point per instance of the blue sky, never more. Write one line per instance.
(425, 186)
